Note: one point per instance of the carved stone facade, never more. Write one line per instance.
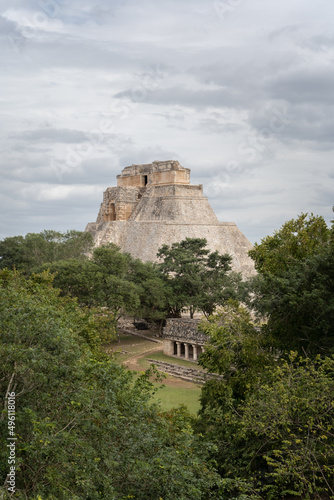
(155, 204)
(181, 338)
(134, 182)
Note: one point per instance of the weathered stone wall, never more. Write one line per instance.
(118, 203)
(148, 168)
(169, 177)
(184, 204)
(142, 239)
(130, 181)
(185, 330)
(108, 232)
(158, 172)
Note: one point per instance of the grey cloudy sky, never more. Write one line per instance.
(239, 91)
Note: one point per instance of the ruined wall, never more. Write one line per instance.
(118, 203)
(154, 178)
(156, 173)
(131, 181)
(184, 329)
(155, 166)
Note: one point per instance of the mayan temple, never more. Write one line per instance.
(155, 204)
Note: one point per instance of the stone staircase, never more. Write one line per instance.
(137, 206)
(184, 373)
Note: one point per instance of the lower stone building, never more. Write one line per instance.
(182, 339)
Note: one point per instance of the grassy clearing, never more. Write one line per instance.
(135, 350)
(171, 397)
(129, 346)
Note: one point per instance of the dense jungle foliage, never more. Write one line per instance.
(86, 427)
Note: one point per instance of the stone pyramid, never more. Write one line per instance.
(155, 204)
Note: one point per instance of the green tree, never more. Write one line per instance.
(270, 418)
(199, 280)
(116, 281)
(154, 293)
(86, 428)
(12, 252)
(294, 287)
(280, 438)
(286, 430)
(295, 241)
(219, 283)
(101, 281)
(235, 349)
(29, 252)
(239, 353)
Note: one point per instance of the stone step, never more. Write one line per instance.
(183, 372)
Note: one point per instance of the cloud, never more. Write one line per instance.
(219, 98)
(245, 100)
(7, 27)
(314, 86)
(52, 135)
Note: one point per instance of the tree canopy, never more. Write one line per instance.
(200, 280)
(297, 240)
(235, 349)
(271, 413)
(295, 285)
(279, 436)
(29, 252)
(114, 280)
(86, 427)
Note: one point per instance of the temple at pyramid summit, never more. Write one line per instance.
(155, 204)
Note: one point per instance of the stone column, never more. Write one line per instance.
(178, 344)
(194, 352)
(168, 347)
(186, 351)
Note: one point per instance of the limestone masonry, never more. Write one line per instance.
(182, 339)
(155, 204)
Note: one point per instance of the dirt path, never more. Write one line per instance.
(132, 362)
